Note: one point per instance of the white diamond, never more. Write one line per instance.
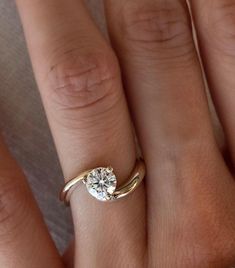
(101, 183)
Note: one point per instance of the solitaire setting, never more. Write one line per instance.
(101, 183)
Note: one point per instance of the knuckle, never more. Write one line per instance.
(216, 236)
(164, 25)
(83, 82)
(207, 224)
(217, 249)
(208, 217)
(212, 219)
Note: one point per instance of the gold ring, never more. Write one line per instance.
(101, 183)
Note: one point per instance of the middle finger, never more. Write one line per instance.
(154, 42)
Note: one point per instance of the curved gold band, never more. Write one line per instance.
(135, 179)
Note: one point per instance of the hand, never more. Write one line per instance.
(184, 214)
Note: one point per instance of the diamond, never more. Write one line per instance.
(101, 183)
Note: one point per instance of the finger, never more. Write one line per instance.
(215, 27)
(154, 43)
(24, 239)
(80, 84)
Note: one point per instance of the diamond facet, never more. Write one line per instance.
(101, 183)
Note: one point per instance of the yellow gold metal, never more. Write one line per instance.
(133, 182)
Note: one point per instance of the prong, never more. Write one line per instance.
(84, 180)
(110, 168)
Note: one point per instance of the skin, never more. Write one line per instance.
(184, 214)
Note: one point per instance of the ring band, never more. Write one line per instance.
(101, 183)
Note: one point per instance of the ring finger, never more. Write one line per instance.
(79, 80)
